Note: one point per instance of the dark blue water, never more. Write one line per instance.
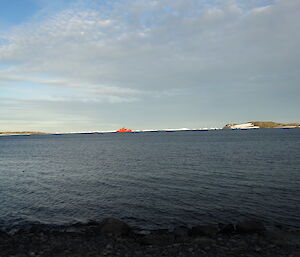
(152, 179)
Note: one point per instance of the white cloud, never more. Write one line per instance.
(137, 49)
(149, 48)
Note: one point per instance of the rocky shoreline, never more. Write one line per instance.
(113, 237)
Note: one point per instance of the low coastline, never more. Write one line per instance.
(22, 133)
(113, 237)
(232, 126)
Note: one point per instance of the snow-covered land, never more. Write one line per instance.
(260, 124)
(248, 125)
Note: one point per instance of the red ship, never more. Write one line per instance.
(124, 130)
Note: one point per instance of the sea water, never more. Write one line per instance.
(152, 179)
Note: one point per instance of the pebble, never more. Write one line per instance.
(109, 246)
(257, 249)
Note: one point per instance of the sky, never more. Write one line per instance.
(98, 65)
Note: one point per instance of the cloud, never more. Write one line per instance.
(143, 45)
(128, 51)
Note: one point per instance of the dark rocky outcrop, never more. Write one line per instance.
(250, 226)
(114, 226)
(204, 230)
(181, 233)
(226, 228)
(3, 235)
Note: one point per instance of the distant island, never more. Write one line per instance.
(247, 125)
(260, 124)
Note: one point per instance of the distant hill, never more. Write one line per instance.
(260, 124)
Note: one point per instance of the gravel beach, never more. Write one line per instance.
(113, 237)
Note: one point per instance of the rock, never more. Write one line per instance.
(142, 232)
(114, 226)
(156, 239)
(257, 249)
(250, 226)
(204, 242)
(109, 246)
(3, 234)
(160, 231)
(204, 230)
(181, 233)
(227, 228)
(91, 223)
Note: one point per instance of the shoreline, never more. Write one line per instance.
(113, 237)
(144, 131)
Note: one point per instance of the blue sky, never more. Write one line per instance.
(15, 12)
(147, 64)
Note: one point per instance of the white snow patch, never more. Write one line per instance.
(248, 125)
